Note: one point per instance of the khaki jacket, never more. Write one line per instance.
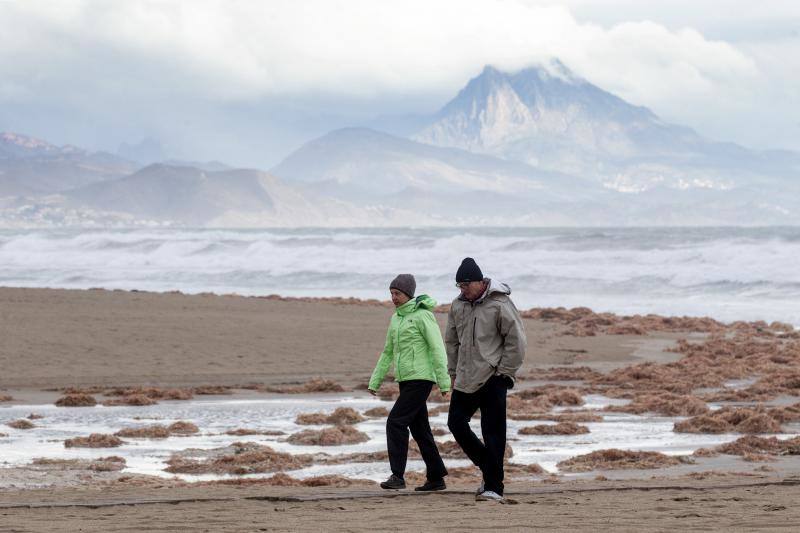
(484, 338)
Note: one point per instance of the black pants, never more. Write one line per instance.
(411, 412)
(487, 455)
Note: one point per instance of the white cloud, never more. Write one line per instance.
(87, 52)
(238, 48)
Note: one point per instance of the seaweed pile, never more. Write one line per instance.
(341, 416)
(158, 431)
(562, 428)
(330, 436)
(239, 458)
(310, 386)
(95, 440)
(614, 459)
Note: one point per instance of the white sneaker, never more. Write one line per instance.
(489, 496)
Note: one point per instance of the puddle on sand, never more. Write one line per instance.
(216, 416)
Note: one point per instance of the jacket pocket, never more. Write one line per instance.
(487, 340)
(492, 360)
(405, 364)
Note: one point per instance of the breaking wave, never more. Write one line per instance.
(727, 273)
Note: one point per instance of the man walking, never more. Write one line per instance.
(485, 342)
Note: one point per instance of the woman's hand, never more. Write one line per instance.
(445, 395)
(373, 392)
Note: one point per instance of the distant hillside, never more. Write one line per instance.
(191, 196)
(359, 163)
(30, 166)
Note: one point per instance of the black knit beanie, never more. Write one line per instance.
(404, 283)
(468, 271)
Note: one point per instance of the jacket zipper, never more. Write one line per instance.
(474, 323)
(397, 349)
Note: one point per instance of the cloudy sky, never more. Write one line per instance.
(247, 81)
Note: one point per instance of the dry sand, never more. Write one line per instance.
(60, 338)
(53, 339)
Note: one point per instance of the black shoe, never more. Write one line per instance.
(432, 485)
(394, 483)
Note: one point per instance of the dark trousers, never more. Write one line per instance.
(487, 455)
(411, 412)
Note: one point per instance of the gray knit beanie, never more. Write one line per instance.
(404, 283)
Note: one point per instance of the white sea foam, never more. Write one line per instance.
(727, 273)
(215, 417)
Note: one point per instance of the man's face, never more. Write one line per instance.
(471, 290)
(398, 297)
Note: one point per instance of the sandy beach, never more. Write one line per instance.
(60, 338)
(117, 344)
(743, 505)
(229, 231)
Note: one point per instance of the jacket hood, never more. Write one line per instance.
(495, 286)
(423, 301)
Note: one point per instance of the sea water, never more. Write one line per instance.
(216, 416)
(726, 273)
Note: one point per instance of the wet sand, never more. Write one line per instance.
(58, 338)
(727, 504)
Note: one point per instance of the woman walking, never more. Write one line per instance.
(414, 344)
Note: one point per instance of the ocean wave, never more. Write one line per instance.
(723, 272)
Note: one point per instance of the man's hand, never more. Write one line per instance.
(373, 392)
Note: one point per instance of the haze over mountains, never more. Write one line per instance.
(31, 166)
(536, 147)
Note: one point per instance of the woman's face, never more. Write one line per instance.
(398, 297)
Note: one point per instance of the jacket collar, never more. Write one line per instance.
(491, 287)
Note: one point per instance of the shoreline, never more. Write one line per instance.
(358, 301)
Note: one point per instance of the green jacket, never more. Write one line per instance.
(414, 344)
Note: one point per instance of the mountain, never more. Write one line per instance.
(33, 167)
(146, 152)
(363, 164)
(242, 197)
(448, 185)
(677, 178)
(538, 147)
(15, 145)
(456, 187)
(208, 166)
(551, 119)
